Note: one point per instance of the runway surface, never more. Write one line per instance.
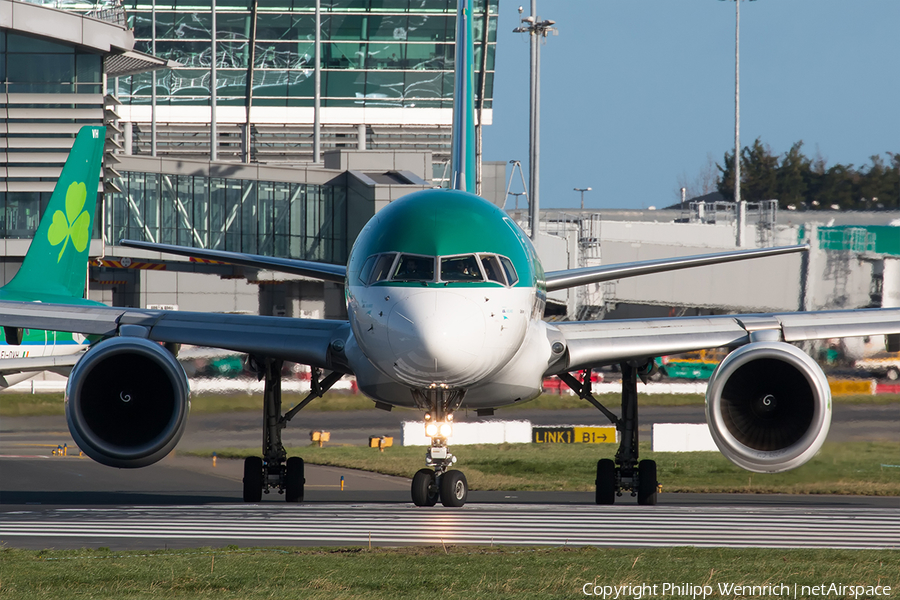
(186, 502)
(486, 524)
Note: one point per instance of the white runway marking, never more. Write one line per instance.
(737, 527)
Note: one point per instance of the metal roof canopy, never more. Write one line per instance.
(115, 42)
(133, 62)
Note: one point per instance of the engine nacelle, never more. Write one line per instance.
(768, 406)
(127, 402)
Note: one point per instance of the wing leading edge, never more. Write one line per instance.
(305, 268)
(307, 341)
(596, 343)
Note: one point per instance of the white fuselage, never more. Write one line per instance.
(38, 344)
(485, 340)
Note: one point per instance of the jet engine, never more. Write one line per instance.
(768, 406)
(127, 402)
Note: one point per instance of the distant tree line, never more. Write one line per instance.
(801, 183)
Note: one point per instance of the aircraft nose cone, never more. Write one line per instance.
(436, 337)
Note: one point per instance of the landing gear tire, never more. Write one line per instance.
(647, 484)
(454, 488)
(253, 479)
(294, 479)
(424, 490)
(606, 482)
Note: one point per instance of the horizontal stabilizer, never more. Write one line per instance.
(305, 268)
(558, 280)
(38, 363)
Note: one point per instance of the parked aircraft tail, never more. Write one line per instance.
(56, 261)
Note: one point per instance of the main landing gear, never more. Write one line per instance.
(439, 482)
(274, 470)
(626, 473)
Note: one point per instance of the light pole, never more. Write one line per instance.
(317, 98)
(537, 29)
(741, 208)
(582, 190)
(213, 91)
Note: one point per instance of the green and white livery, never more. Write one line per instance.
(55, 266)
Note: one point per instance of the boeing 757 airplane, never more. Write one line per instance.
(445, 296)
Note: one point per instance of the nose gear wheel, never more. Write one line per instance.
(439, 482)
(425, 491)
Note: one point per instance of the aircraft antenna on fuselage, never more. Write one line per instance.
(462, 157)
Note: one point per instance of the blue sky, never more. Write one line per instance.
(636, 95)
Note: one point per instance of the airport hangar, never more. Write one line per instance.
(386, 94)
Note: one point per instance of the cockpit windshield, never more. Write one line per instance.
(411, 267)
(382, 267)
(460, 268)
(416, 267)
(492, 268)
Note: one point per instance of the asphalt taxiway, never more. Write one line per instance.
(63, 502)
(71, 502)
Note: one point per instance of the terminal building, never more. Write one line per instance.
(386, 77)
(144, 70)
(386, 103)
(853, 261)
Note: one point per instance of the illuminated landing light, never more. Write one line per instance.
(439, 430)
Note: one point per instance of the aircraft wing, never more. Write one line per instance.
(597, 343)
(38, 363)
(306, 341)
(306, 268)
(558, 280)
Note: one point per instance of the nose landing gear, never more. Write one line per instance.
(439, 482)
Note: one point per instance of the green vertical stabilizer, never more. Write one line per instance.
(56, 261)
(462, 155)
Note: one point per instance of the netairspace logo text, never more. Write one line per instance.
(693, 591)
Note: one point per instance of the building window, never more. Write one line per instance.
(288, 220)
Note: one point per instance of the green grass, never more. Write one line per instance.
(450, 572)
(839, 468)
(14, 404)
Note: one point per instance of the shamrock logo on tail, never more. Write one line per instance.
(75, 224)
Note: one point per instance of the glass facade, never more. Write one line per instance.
(395, 53)
(36, 66)
(287, 220)
(33, 124)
